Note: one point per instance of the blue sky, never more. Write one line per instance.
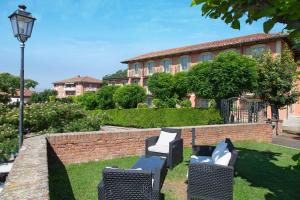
(91, 37)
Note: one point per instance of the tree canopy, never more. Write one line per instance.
(117, 74)
(273, 11)
(129, 96)
(104, 97)
(228, 75)
(161, 85)
(277, 80)
(42, 97)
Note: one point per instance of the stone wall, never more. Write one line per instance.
(28, 178)
(83, 147)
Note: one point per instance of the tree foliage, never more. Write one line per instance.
(277, 80)
(104, 97)
(273, 11)
(87, 100)
(181, 85)
(117, 74)
(228, 75)
(161, 85)
(42, 97)
(129, 96)
(10, 83)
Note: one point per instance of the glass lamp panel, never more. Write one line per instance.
(22, 23)
(14, 24)
(29, 28)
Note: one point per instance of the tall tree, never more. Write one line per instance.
(272, 11)
(161, 85)
(277, 80)
(129, 96)
(181, 84)
(104, 97)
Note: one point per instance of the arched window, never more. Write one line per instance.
(184, 63)
(166, 64)
(206, 56)
(150, 67)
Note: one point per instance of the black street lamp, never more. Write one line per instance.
(22, 24)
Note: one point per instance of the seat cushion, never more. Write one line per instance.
(224, 158)
(165, 138)
(219, 150)
(159, 148)
(201, 159)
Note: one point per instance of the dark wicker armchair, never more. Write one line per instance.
(175, 155)
(120, 184)
(211, 181)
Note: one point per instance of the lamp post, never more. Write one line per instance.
(22, 24)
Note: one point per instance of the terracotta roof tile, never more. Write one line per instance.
(209, 45)
(27, 93)
(79, 79)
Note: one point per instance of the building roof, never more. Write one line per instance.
(27, 93)
(231, 42)
(79, 79)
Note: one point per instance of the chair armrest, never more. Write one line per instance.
(202, 150)
(151, 141)
(175, 152)
(176, 143)
(100, 188)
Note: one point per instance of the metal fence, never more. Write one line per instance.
(242, 110)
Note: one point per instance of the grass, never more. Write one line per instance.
(263, 171)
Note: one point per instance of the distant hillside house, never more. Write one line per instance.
(76, 86)
(16, 97)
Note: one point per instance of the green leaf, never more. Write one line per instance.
(268, 25)
(197, 2)
(235, 24)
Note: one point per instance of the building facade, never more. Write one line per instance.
(76, 86)
(183, 58)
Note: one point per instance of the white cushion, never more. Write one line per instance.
(219, 150)
(201, 159)
(224, 158)
(159, 148)
(1, 187)
(165, 138)
(6, 167)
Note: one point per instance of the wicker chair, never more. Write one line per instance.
(175, 155)
(211, 181)
(120, 184)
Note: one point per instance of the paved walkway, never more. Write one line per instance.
(288, 140)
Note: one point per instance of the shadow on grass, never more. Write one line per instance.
(260, 170)
(59, 183)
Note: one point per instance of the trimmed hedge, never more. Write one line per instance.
(167, 117)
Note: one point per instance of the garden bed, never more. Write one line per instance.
(263, 171)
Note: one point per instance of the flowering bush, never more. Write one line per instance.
(40, 118)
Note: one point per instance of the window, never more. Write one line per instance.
(184, 63)
(206, 57)
(258, 49)
(136, 67)
(166, 63)
(150, 67)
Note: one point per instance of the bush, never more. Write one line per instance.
(40, 118)
(151, 118)
(87, 101)
(129, 96)
(42, 97)
(142, 105)
(158, 103)
(161, 85)
(185, 104)
(104, 97)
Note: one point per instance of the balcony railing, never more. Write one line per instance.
(69, 88)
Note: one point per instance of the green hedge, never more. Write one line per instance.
(152, 118)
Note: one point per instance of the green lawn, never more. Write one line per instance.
(263, 171)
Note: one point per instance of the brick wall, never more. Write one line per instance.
(83, 147)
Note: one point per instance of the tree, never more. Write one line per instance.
(10, 83)
(228, 75)
(161, 85)
(181, 85)
(274, 11)
(117, 74)
(104, 97)
(42, 97)
(276, 80)
(129, 96)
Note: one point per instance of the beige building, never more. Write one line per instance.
(76, 86)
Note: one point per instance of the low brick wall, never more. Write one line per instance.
(28, 178)
(83, 147)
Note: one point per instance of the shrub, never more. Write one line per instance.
(161, 85)
(181, 85)
(158, 103)
(142, 105)
(185, 104)
(8, 141)
(129, 96)
(87, 101)
(151, 118)
(104, 97)
(42, 97)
